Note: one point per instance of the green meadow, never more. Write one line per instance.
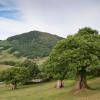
(46, 91)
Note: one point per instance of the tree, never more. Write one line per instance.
(9, 77)
(23, 73)
(77, 53)
(15, 75)
(56, 65)
(31, 66)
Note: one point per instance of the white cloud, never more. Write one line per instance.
(10, 27)
(53, 16)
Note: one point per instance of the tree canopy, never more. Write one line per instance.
(77, 53)
(22, 73)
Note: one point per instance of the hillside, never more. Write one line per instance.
(31, 44)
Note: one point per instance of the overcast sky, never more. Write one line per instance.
(60, 17)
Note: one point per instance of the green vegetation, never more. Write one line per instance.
(76, 54)
(22, 73)
(32, 44)
(4, 67)
(9, 59)
(72, 61)
(5, 56)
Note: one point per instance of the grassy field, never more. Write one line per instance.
(4, 67)
(46, 91)
(5, 56)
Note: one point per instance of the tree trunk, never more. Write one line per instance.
(13, 86)
(59, 84)
(81, 81)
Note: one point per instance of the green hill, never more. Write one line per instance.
(31, 44)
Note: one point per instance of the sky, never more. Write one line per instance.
(60, 17)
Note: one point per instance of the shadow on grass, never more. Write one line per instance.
(93, 89)
(29, 85)
(95, 85)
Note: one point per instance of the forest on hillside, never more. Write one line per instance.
(31, 44)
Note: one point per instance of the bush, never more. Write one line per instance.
(11, 63)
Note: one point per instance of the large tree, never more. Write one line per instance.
(56, 68)
(77, 53)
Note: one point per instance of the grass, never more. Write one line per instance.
(40, 61)
(46, 91)
(4, 67)
(5, 56)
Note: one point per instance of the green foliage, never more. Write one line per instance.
(9, 75)
(87, 31)
(31, 45)
(56, 67)
(76, 53)
(22, 73)
(30, 66)
(11, 63)
(4, 45)
(16, 74)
